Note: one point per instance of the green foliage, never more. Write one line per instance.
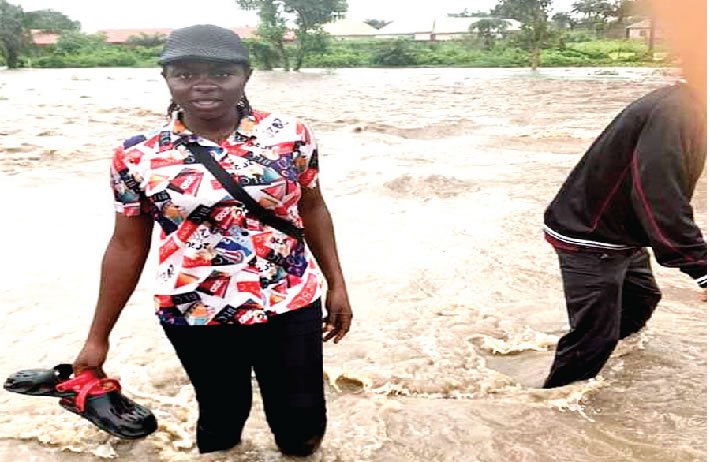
(146, 40)
(377, 23)
(488, 30)
(533, 14)
(49, 21)
(563, 20)
(75, 49)
(594, 10)
(393, 53)
(13, 36)
(262, 54)
(470, 14)
(599, 48)
(76, 42)
(310, 16)
(100, 58)
(580, 35)
(272, 28)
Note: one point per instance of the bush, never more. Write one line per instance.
(564, 58)
(605, 47)
(49, 61)
(335, 60)
(262, 55)
(103, 58)
(394, 53)
(74, 42)
(81, 50)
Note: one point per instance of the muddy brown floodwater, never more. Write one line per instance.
(437, 180)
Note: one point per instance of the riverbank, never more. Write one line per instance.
(90, 51)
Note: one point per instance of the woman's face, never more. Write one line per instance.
(206, 90)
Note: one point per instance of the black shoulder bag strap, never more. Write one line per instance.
(203, 156)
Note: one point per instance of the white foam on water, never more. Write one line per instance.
(517, 342)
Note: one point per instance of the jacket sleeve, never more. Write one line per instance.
(662, 189)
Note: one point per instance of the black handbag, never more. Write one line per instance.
(203, 156)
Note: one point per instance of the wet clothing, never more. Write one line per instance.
(286, 355)
(218, 265)
(609, 297)
(631, 190)
(633, 187)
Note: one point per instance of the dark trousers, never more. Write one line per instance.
(609, 297)
(287, 357)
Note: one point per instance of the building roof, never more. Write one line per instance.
(401, 27)
(122, 35)
(43, 38)
(349, 27)
(449, 25)
(442, 25)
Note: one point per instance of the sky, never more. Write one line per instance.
(128, 14)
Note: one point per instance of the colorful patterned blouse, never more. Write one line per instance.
(219, 265)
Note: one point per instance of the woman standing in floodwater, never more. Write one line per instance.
(238, 287)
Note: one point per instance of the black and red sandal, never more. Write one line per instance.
(98, 400)
(40, 382)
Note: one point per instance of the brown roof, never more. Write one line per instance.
(122, 35)
(43, 38)
(118, 36)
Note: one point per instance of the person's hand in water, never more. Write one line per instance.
(92, 356)
(339, 315)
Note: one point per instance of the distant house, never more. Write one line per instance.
(345, 29)
(642, 31)
(417, 30)
(121, 36)
(449, 28)
(43, 39)
(438, 29)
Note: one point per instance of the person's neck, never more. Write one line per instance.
(216, 130)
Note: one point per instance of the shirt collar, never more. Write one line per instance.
(245, 129)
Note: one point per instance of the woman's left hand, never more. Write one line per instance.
(339, 315)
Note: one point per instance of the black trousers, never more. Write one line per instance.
(286, 355)
(609, 297)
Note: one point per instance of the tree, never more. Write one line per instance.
(395, 53)
(488, 30)
(49, 21)
(470, 14)
(13, 35)
(146, 40)
(563, 20)
(272, 29)
(310, 16)
(74, 42)
(377, 23)
(594, 11)
(623, 9)
(533, 15)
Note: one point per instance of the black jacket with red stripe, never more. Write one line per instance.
(633, 186)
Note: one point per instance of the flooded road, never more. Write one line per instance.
(437, 180)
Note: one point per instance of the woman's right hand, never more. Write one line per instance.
(92, 356)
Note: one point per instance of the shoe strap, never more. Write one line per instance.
(87, 384)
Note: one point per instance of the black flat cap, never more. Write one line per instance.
(204, 42)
